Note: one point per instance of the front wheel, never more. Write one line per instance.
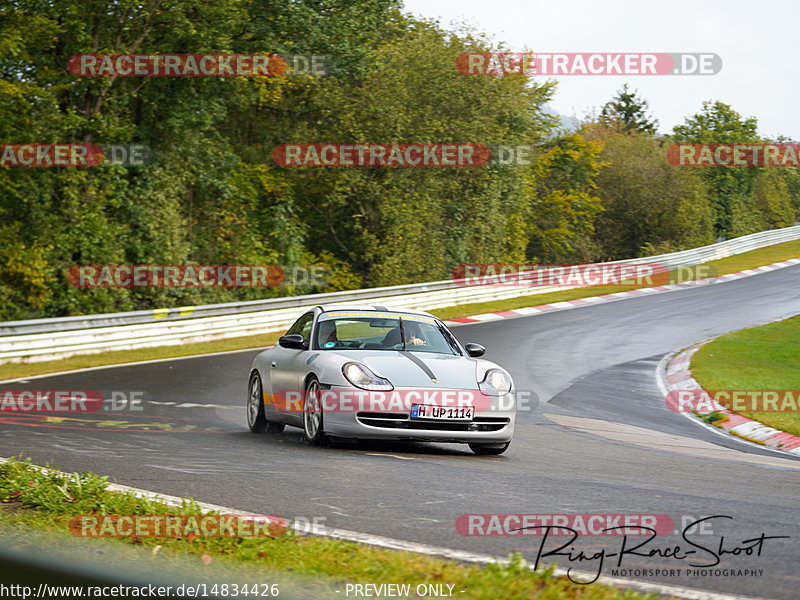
(255, 405)
(312, 414)
(489, 449)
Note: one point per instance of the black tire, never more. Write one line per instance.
(255, 405)
(313, 427)
(489, 449)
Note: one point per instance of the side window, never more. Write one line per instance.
(306, 332)
(302, 326)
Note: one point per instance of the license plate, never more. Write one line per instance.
(444, 413)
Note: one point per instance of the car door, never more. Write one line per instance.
(287, 369)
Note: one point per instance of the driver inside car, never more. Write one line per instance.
(327, 333)
(413, 335)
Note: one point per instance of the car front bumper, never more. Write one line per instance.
(492, 423)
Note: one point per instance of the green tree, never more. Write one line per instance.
(651, 207)
(397, 225)
(195, 202)
(731, 188)
(773, 198)
(560, 189)
(627, 113)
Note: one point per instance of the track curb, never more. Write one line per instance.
(678, 376)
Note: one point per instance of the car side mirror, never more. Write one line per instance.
(475, 350)
(294, 341)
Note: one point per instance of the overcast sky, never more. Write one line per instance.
(759, 44)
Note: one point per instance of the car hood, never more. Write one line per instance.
(419, 369)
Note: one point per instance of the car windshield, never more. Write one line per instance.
(368, 331)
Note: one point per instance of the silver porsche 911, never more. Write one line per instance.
(369, 372)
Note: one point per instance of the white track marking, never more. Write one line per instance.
(388, 455)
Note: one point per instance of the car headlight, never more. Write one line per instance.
(361, 377)
(496, 382)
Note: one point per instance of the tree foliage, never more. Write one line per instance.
(563, 204)
(627, 113)
(212, 194)
(650, 206)
(738, 210)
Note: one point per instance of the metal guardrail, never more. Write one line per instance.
(47, 339)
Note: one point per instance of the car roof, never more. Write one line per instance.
(373, 308)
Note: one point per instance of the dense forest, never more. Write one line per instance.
(213, 195)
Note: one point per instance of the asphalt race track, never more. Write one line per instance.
(600, 441)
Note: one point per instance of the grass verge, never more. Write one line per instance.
(40, 504)
(733, 264)
(759, 358)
